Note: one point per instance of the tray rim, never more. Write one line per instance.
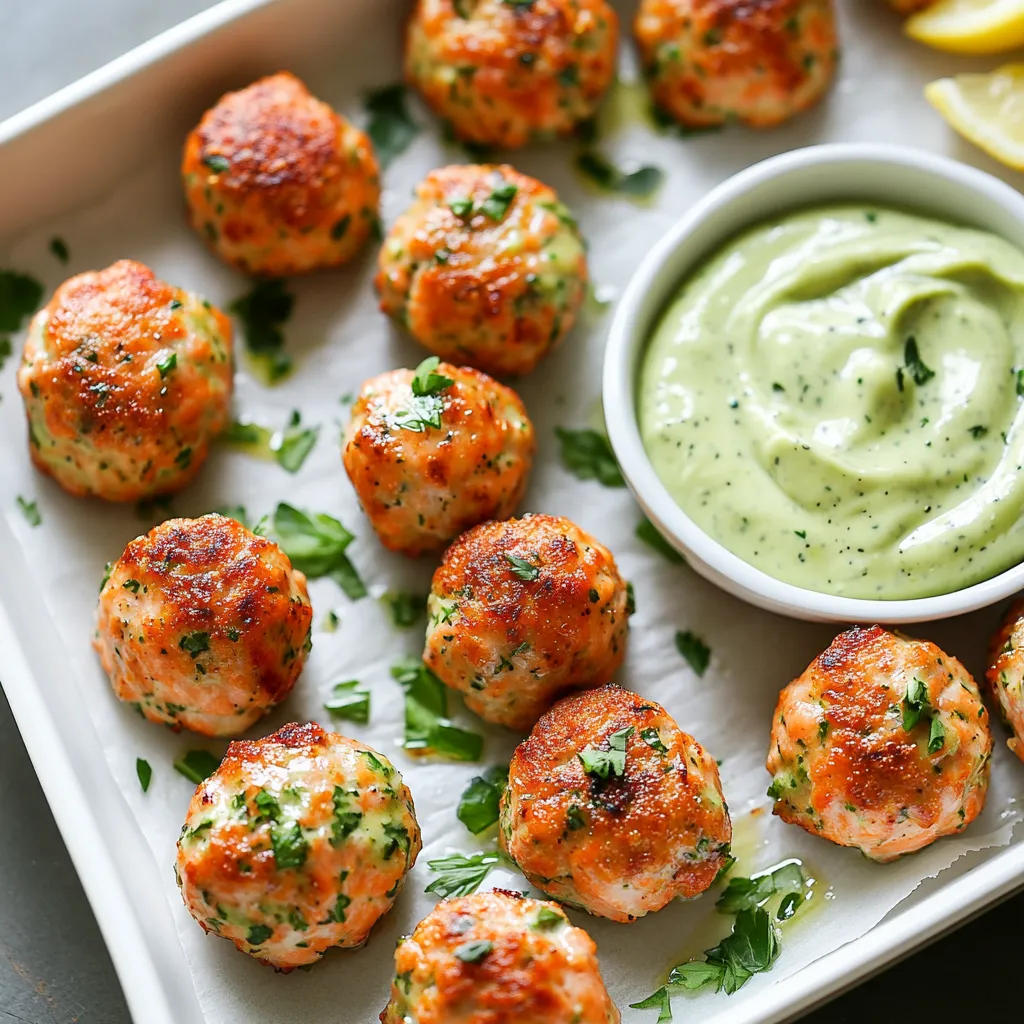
(896, 936)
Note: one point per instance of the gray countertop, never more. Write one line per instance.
(54, 968)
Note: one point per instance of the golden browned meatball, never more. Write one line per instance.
(126, 380)
(434, 451)
(522, 611)
(908, 7)
(498, 958)
(203, 625)
(612, 808)
(298, 843)
(277, 182)
(756, 61)
(486, 267)
(882, 744)
(1006, 674)
(504, 73)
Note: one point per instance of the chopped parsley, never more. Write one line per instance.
(294, 443)
(427, 381)
(461, 206)
(652, 738)
(694, 650)
(936, 735)
(197, 765)
(497, 204)
(216, 162)
(427, 726)
(474, 951)
(144, 771)
(651, 536)
(168, 363)
(404, 609)
(425, 406)
(258, 934)
(263, 311)
(459, 875)
(350, 701)
(30, 510)
(6, 351)
(977, 431)
(389, 125)
(20, 296)
(915, 703)
(316, 543)
(345, 820)
(522, 568)
(611, 762)
(641, 183)
(588, 455)
(59, 248)
(547, 919)
(915, 365)
(478, 805)
(289, 845)
(195, 643)
(747, 893)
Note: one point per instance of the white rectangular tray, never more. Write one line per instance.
(74, 151)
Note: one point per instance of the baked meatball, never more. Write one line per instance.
(1006, 674)
(498, 958)
(908, 7)
(520, 612)
(126, 380)
(203, 625)
(277, 182)
(506, 73)
(612, 808)
(434, 451)
(883, 744)
(757, 61)
(486, 267)
(298, 842)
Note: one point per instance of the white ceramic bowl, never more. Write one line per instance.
(885, 175)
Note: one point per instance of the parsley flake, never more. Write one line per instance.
(588, 455)
(694, 650)
(478, 805)
(611, 762)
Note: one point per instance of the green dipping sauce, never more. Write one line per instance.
(836, 398)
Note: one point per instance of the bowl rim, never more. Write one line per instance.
(629, 334)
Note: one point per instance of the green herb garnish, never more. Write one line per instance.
(639, 184)
(651, 536)
(915, 702)
(195, 643)
(914, 364)
(168, 363)
(295, 443)
(316, 543)
(652, 738)
(522, 568)
(390, 127)
(404, 609)
(216, 162)
(197, 765)
(588, 455)
(59, 248)
(30, 510)
(145, 773)
(547, 919)
(747, 893)
(611, 762)
(262, 312)
(289, 845)
(427, 726)
(350, 701)
(496, 205)
(20, 296)
(478, 805)
(459, 875)
(694, 650)
(474, 951)
(425, 406)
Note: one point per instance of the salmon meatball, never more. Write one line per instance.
(434, 451)
(487, 267)
(612, 808)
(498, 958)
(1006, 674)
(298, 842)
(277, 182)
(202, 625)
(506, 73)
(757, 61)
(523, 610)
(126, 380)
(883, 744)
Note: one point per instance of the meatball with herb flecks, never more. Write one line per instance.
(521, 612)
(498, 958)
(487, 267)
(506, 73)
(1006, 674)
(277, 183)
(883, 744)
(298, 842)
(708, 62)
(434, 451)
(203, 625)
(612, 808)
(126, 380)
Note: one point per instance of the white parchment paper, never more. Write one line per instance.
(338, 339)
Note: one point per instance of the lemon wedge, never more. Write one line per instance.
(970, 26)
(987, 109)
